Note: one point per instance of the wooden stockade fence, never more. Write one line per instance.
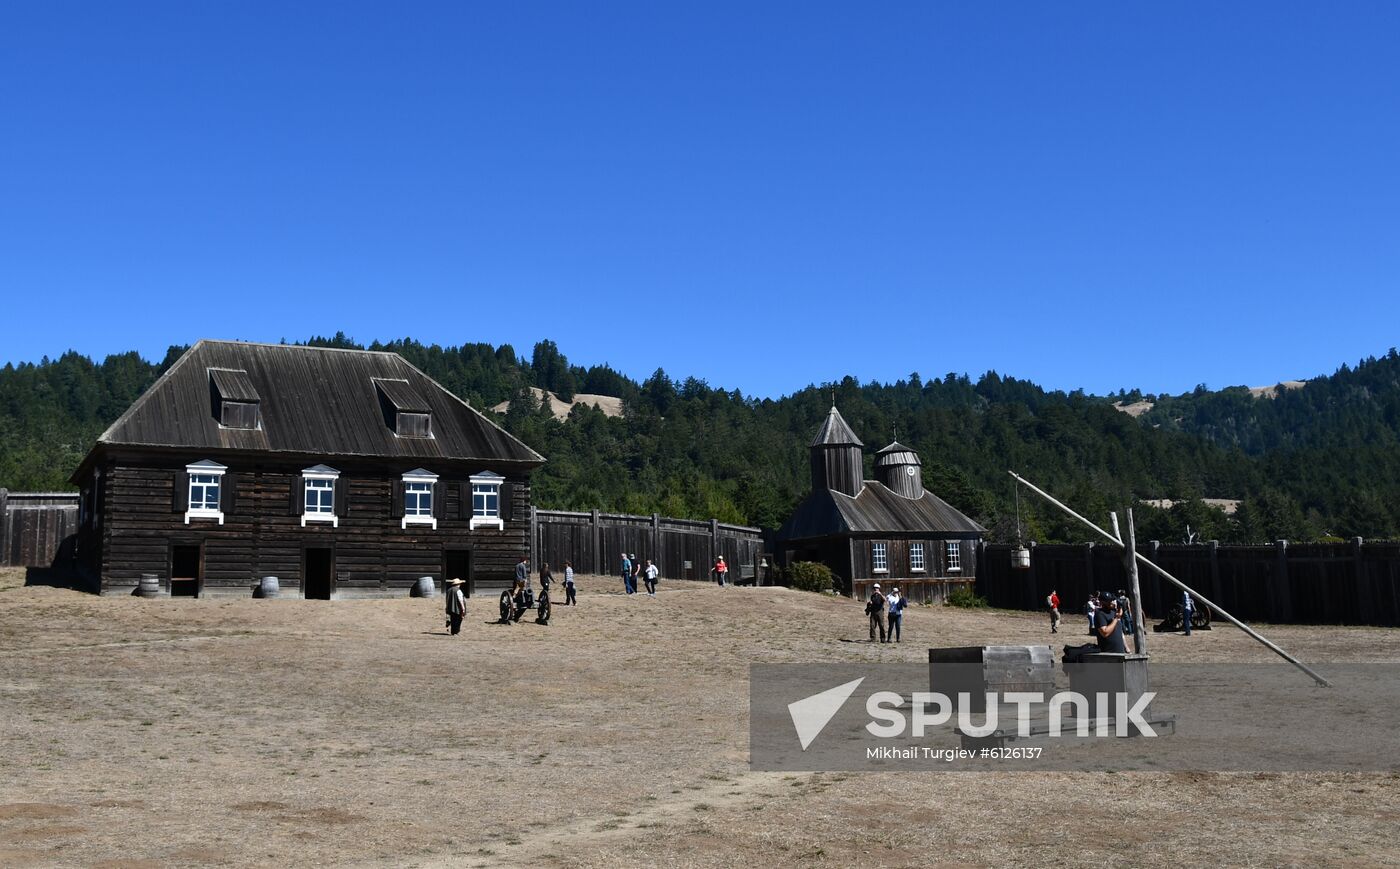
(36, 528)
(1351, 583)
(682, 548)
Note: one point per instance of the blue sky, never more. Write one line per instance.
(1088, 195)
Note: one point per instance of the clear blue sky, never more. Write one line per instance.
(1087, 195)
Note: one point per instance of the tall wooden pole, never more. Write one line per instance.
(1130, 562)
(1178, 583)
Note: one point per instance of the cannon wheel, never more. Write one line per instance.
(1200, 618)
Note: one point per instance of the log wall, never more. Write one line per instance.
(681, 548)
(1351, 583)
(139, 523)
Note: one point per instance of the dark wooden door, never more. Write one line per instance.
(318, 574)
(186, 569)
(457, 564)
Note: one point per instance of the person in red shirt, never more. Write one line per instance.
(1053, 601)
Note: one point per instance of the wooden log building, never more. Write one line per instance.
(344, 473)
(889, 530)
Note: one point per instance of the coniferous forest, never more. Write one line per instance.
(1318, 462)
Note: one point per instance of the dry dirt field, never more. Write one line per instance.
(291, 733)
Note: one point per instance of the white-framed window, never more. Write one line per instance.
(206, 480)
(486, 501)
(879, 562)
(418, 498)
(318, 500)
(916, 557)
(954, 552)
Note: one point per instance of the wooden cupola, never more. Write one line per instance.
(836, 457)
(900, 470)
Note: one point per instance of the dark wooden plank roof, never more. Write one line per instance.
(402, 396)
(876, 510)
(835, 432)
(314, 400)
(897, 454)
(233, 384)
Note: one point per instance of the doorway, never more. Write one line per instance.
(185, 570)
(318, 575)
(457, 564)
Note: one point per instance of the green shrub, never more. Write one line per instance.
(810, 576)
(967, 599)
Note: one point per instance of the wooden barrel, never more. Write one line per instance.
(1021, 558)
(423, 587)
(268, 587)
(149, 585)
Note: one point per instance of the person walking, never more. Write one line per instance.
(636, 572)
(456, 605)
(649, 574)
(896, 606)
(875, 608)
(546, 577)
(1127, 610)
(570, 595)
(721, 571)
(1053, 601)
(1188, 608)
(1090, 609)
(627, 585)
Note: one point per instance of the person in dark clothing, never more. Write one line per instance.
(456, 605)
(875, 608)
(570, 593)
(1108, 626)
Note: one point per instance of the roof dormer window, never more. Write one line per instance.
(406, 412)
(235, 401)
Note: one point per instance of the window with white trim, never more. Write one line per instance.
(954, 553)
(879, 563)
(205, 484)
(916, 557)
(318, 502)
(486, 501)
(418, 499)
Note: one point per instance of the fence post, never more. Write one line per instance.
(1034, 586)
(534, 536)
(4, 526)
(656, 540)
(714, 540)
(597, 566)
(1089, 564)
(1282, 592)
(1157, 603)
(980, 578)
(1215, 570)
(1364, 594)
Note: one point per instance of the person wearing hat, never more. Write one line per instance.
(456, 605)
(627, 582)
(1108, 625)
(897, 603)
(875, 608)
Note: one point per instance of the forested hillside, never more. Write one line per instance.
(1323, 460)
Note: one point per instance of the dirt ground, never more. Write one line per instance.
(288, 732)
